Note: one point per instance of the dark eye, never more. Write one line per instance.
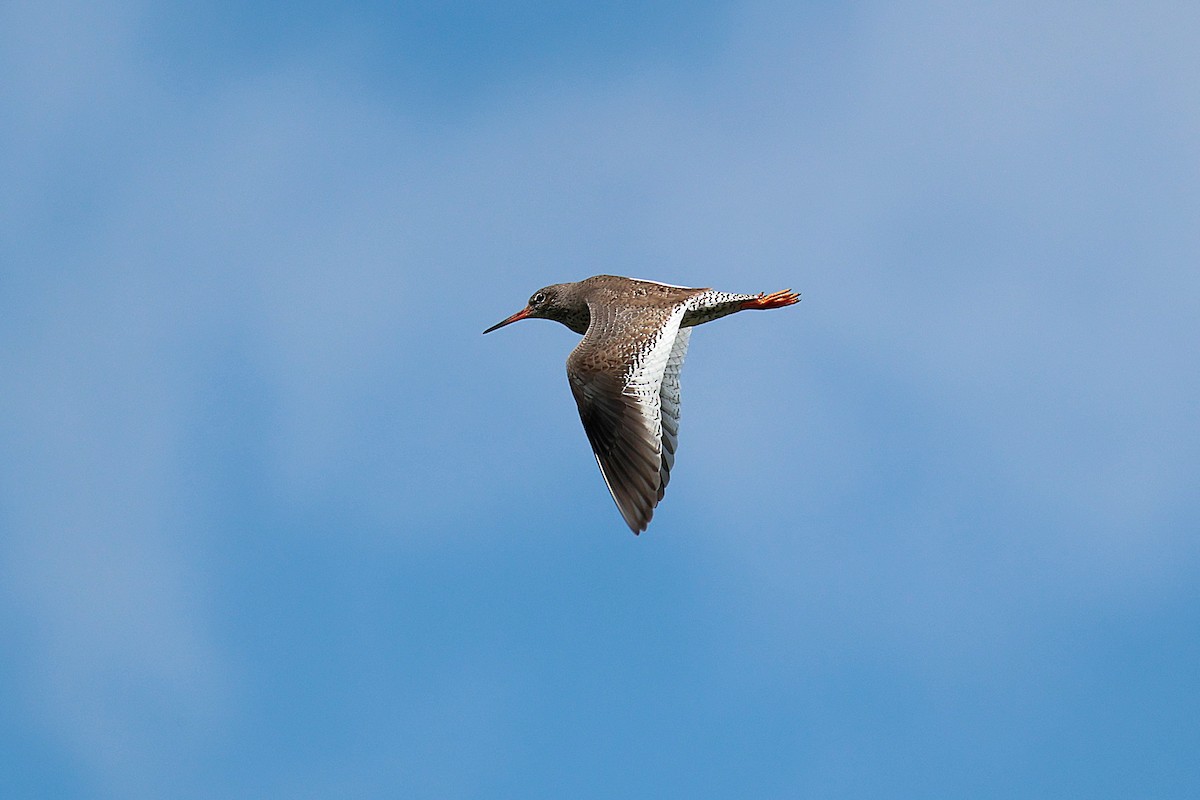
(537, 299)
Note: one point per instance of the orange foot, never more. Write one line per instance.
(774, 300)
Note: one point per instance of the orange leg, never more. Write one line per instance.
(774, 300)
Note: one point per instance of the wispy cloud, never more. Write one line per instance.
(246, 316)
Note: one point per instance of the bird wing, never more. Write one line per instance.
(668, 401)
(624, 374)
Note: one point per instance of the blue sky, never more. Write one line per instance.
(278, 522)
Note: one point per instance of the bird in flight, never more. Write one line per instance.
(624, 373)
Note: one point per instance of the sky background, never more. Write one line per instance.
(276, 521)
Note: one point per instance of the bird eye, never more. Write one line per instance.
(537, 299)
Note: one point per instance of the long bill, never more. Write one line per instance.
(522, 314)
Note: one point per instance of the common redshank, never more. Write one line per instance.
(624, 373)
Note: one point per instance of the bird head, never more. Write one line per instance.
(550, 302)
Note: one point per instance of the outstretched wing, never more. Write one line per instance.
(624, 375)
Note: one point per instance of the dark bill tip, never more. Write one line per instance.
(522, 314)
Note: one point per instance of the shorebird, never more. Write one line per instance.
(624, 373)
